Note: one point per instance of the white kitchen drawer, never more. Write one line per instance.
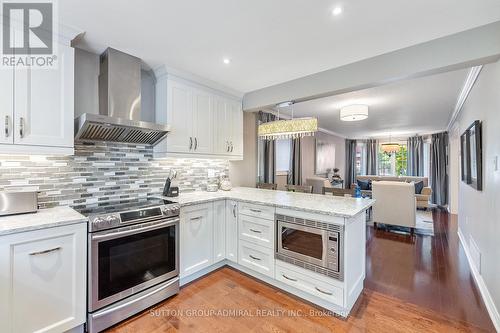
(263, 212)
(256, 230)
(299, 279)
(257, 258)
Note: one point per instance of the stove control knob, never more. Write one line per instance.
(97, 220)
(166, 211)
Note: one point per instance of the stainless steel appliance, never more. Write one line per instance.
(313, 245)
(133, 257)
(18, 202)
(119, 118)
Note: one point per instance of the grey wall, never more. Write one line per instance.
(244, 173)
(479, 212)
(86, 82)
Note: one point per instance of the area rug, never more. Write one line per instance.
(424, 225)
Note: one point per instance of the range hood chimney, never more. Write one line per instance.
(119, 118)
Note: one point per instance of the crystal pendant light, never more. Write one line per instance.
(390, 147)
(289, 128)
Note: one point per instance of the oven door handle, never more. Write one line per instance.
(116, 234)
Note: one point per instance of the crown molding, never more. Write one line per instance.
(464, 93)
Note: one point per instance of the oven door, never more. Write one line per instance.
(127, 260)
(303, 243)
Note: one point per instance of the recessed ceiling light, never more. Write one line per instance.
(337, 11)
(227, 61)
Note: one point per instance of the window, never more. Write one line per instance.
(360, 158)
(283, 148)
(393, 164)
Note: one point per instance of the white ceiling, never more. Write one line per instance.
(403, 108)
(268, 41)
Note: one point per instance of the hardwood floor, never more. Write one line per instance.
(428, 271)
(413, 285)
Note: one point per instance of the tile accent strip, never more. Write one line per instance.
(102, 173)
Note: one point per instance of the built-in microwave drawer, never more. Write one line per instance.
(257, 258)
(260, 211)
(256, 230)
(300, 279)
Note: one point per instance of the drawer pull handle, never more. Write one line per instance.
(254, 258)
(45, 251)
(195, 143)
(7, 126)
(324, 292)
(288, 278)
(196, 218)
(190, 143)
(21, 127)
(256, 231)
(255, 210)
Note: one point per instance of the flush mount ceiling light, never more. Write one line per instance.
(227, 61)
(337, 11)
(289, 128)
(354, 112)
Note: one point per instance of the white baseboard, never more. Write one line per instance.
(488, 300)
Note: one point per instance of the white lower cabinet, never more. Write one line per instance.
(309, 282)
(196, 248)
(43, 279)
(257, 258)
(232, 230)
(257, 230)
(219, 214)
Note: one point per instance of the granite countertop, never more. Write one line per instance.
(314, 203)
(44, 218)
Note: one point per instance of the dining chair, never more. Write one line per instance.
(338, 192)
(299, 188)
(267, 186)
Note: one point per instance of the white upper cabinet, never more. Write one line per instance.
(37, 107)
(180, 117)
(44, 107)
(6, 105)
(203, 123)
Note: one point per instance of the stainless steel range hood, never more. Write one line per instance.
(119, 118)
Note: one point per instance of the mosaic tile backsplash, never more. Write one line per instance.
(102, 173)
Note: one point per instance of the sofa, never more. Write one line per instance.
(395, 203)
(422, 198)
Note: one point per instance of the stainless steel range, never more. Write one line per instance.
(133, 258)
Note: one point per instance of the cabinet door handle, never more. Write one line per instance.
(45, 251)
(256, 231)
(227, 146)
(288, 278)
(324, 292)
(254, 258)
(255, 210)
(190, 143)
(231, 146)
(195, 143)
(21, 127)
(234, 210)
(196, 218)
(7, 126)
